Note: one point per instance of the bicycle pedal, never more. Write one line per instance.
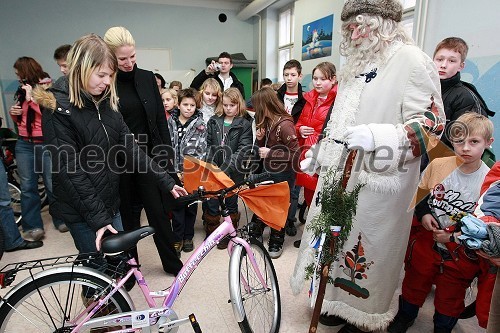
(194, 323)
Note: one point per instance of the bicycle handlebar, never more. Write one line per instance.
(200, 193)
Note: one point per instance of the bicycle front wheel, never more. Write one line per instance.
(257, 308)
(52, 302)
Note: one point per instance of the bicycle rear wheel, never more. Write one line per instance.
(50, 303)
(259, 308)
(15, 201)
(2, 242)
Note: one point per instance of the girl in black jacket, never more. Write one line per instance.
(229, 136)
(90, 145)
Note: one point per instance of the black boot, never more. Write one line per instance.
(290, 228)
(443, 323)
(256, 228)
(404, 318)
(212, 222)
(276, 241)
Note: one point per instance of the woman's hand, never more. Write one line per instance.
(263, 152)
(16, 110)
(29, 90)
(259, 134)
(100, 232)
(305, 131)
(429, 222)
(178, 191)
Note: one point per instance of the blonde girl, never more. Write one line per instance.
(209, 98)
(229, 135)
(169, 100)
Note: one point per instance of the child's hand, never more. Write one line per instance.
(178, 191)
(305, 131)
(99, 233)
(429, 222)
(263, 152)
(259, 134)
(494, 260)
(441, 236)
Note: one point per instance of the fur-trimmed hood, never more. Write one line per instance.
(46, 96)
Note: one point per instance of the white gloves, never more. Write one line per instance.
(359, 137)
(313, 160)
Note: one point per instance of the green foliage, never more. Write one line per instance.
(337, 209)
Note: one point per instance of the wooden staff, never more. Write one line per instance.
(325, 269)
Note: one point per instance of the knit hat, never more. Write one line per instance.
(388, 9)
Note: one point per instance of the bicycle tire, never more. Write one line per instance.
(258, 309)
(15, 202)
(2, 242)
(48, 303)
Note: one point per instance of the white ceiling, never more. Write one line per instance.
(235, 5)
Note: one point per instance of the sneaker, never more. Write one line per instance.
(34, 234)
(178, 248)
(275, 250)
(188, 245)
(62, 227)
(400, 323)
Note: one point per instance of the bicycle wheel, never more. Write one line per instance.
(2, 242)
(257, 309)
(51, 302)
(15, 201)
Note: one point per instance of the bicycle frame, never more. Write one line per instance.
(154, 313)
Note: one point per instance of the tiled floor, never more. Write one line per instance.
(206, 294)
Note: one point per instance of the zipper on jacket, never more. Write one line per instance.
(109, 147)
(102, 124)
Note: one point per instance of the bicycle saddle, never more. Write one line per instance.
(125, 240)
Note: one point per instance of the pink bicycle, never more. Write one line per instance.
(77, 298)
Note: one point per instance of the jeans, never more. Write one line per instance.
(294, 202)
(84, 236)
(12, 237)
(212, 206)
(27, 166)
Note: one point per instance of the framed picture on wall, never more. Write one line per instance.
(317, 38)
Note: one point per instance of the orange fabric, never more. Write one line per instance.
(200, 173)
(269, 202)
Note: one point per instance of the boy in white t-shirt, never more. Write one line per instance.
(290, 93)
(435, 255)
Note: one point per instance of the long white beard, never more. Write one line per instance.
(360, 54)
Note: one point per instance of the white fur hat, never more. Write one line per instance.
(388, 9)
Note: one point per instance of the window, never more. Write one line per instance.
(408, 15)
(285, 42)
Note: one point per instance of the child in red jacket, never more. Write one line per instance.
(435, 255)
